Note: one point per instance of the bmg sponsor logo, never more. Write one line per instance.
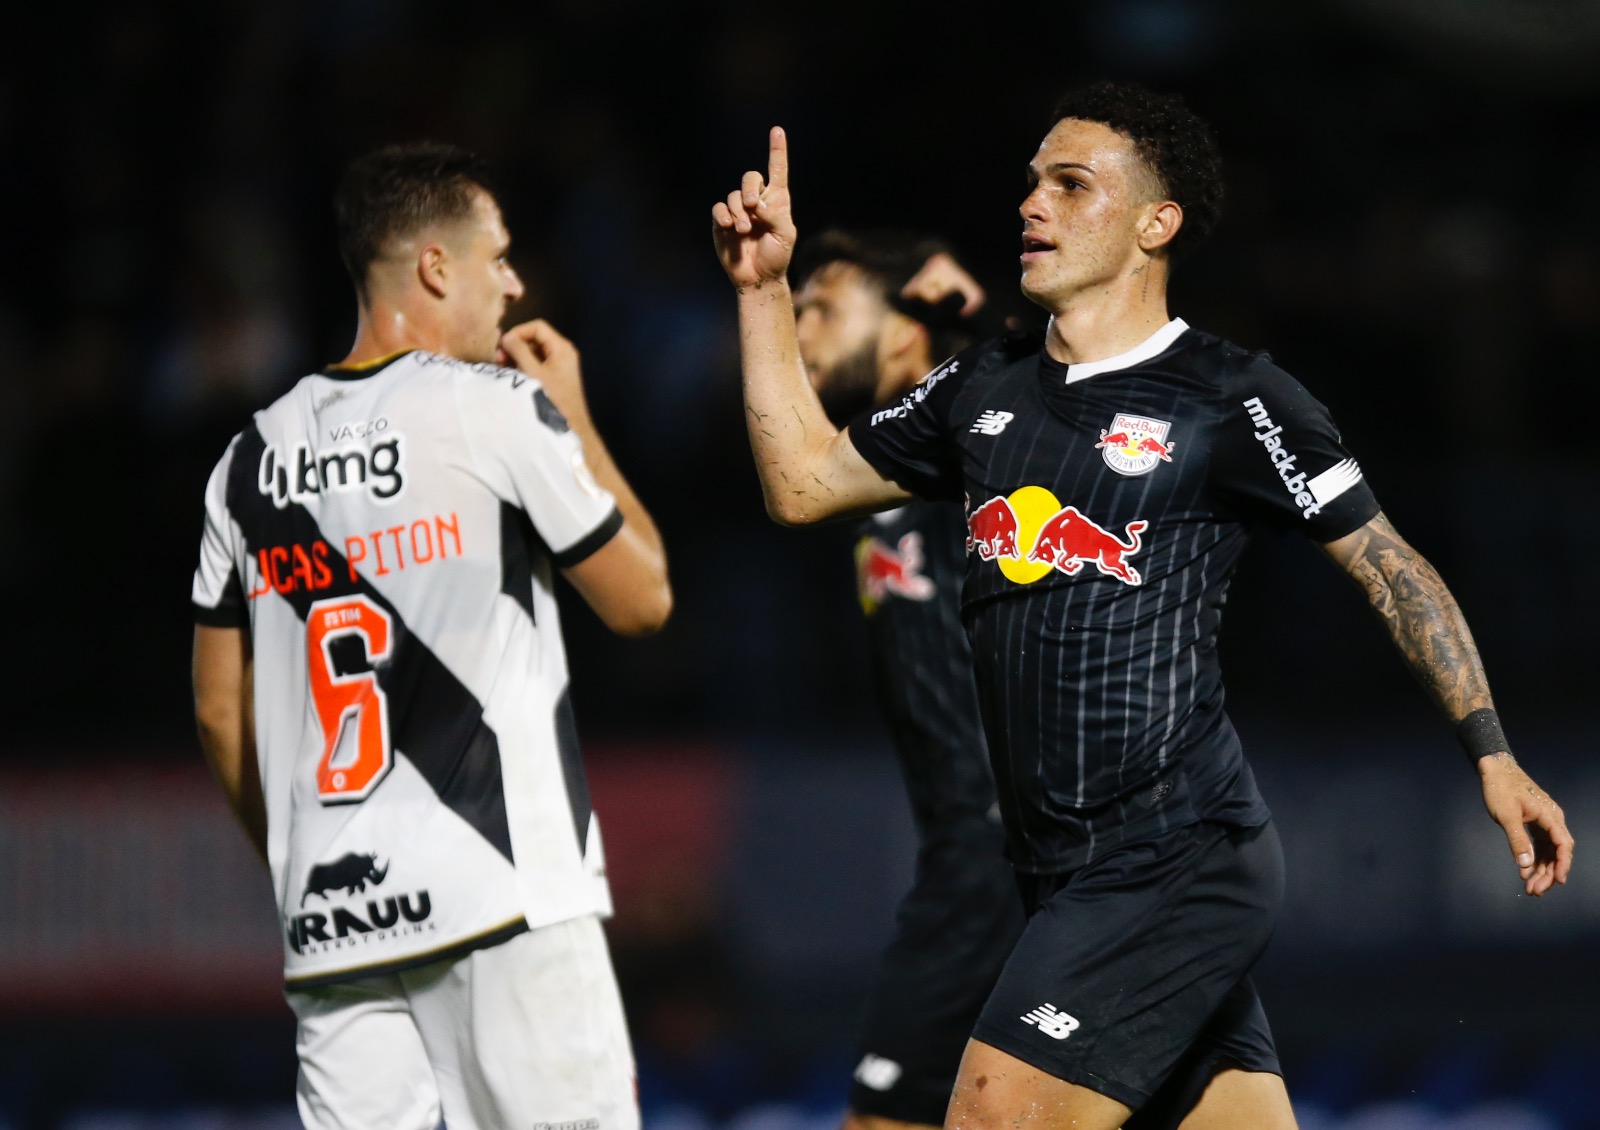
(368, 459)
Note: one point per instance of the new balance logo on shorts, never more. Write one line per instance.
(1052, 1021)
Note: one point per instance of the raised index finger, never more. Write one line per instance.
(778, 158)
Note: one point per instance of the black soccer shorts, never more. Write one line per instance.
(953, 933)
(1130, 978)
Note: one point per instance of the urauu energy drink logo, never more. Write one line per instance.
(1058, 538)
(339, 927)
(1133, 445)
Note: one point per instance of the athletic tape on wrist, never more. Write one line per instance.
(1480, 734)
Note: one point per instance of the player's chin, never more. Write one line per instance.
(1038, 287)
(485, 351)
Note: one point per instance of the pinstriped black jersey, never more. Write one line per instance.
(910, 566)
(1108, 504)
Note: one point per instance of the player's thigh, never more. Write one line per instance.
(997, 1091)
(1126, 961)
(1257, 1099)
(362, 1060)
(1237, 1039)
(528, 1032)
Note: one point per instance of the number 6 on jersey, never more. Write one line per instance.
(345, 699)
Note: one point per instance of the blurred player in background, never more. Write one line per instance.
(874, 312)
(1113, 473)
(380, 681)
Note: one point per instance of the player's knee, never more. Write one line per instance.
(997, 1092)
(983, 1102)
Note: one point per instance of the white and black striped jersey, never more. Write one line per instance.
(385, 534)
(909, 569)
(1107, 506)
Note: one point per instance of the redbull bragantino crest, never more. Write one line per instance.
(1133, 445)
(1060, 538)
(343, 927)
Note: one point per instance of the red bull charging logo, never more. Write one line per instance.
(883, 571)
(1133, 445)
(1060, 538)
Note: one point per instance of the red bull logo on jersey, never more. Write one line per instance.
(1060, 539)
(992, 531)
(884, 571)
(1134, 445)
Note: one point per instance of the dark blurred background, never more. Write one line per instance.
(1409, 230)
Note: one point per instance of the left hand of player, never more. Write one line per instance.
(1519, 806)
(540, 351)
(939, 278)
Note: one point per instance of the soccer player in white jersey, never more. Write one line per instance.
(381, 687)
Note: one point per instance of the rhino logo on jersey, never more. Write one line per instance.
(349, 872)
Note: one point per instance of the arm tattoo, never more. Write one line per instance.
(1423, 618)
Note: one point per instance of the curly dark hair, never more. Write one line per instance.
(1172, 140)
(392, 192)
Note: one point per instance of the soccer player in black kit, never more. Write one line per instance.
(866, 339)
(1112, 476)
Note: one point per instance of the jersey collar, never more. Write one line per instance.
(1152, 346)
(365, 368)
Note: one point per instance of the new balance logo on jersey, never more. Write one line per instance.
(992, 423)
(1052, 1021)
(302, 474)
(877, 1073)
(1311, 492)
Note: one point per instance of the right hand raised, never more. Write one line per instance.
(753, 229)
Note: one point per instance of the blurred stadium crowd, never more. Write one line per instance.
(1407, 230)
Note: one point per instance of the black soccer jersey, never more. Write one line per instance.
(1107, 505)
(910, 566)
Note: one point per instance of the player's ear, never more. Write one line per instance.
(1160, 225)
(433, 269)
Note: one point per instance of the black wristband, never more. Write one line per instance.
(1480, 734)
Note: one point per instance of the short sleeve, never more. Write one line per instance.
(909, 442)
(531, 458)
(1278, 458)
(217, 595)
